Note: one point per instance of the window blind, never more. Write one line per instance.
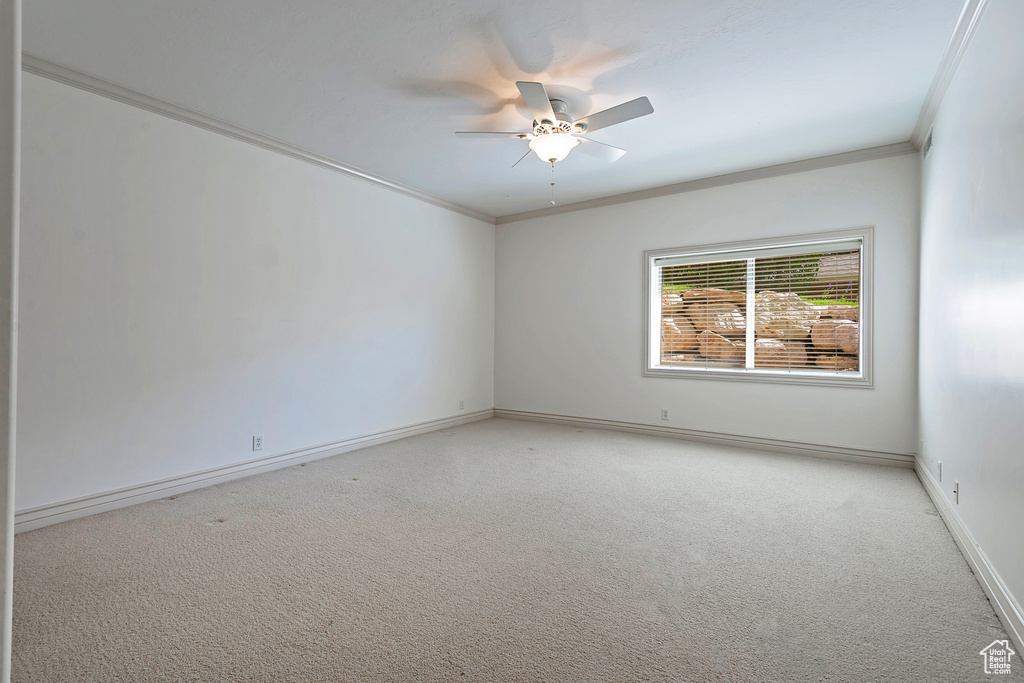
(759, 252)
(789, 308)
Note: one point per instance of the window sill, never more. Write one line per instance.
(815, 378)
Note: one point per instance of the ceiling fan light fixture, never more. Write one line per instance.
(553, 146)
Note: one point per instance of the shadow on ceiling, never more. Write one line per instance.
(522, 46)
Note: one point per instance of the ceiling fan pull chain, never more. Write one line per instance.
(552, 182)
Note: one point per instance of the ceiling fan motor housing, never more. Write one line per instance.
(546, 127)
(563, 123)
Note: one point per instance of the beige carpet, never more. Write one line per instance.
(512, 551)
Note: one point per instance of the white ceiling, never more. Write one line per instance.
(382, 85)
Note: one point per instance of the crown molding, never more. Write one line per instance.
(959, 41)
(814, 164)
(57, 72)
(63, 74)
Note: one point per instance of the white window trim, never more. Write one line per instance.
(652, 322)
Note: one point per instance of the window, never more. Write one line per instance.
(793, 309)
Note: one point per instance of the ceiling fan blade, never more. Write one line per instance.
(600, 150)
(489, 134)
(536, 98)
(633, 109)
(528, 153)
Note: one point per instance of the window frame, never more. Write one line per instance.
(863, 379)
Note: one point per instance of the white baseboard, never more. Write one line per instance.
(778, 445)
(44, 515)
(1005, 604)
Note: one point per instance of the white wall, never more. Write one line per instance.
(182, 291)
(569, 326)
(972, 291)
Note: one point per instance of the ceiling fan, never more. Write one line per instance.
(555, 133)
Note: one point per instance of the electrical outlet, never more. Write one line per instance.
(664, 413)
(956, 492)
(940, 470)
(257, 442)
(462, 404)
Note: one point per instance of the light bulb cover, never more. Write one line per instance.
(553, 146)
